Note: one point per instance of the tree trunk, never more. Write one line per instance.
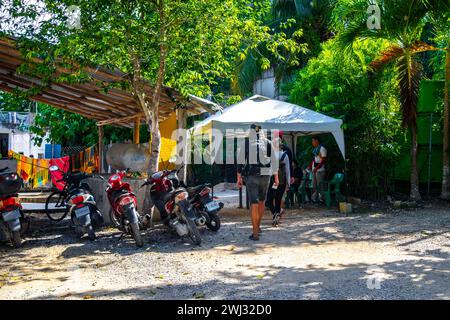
(154, 125)
(445, 161)
(415, 194)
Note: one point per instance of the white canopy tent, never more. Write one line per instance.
(274, 115)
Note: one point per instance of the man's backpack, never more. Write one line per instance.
(260, 146)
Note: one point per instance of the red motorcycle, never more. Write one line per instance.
(13, 223)
(173, 205)
(124, 214)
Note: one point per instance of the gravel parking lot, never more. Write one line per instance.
(314, 254)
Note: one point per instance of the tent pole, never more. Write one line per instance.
(240, 198)
(100, 149)
(430, 153)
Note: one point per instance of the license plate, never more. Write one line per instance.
(11, 215)
(81, 212)
(211, 206)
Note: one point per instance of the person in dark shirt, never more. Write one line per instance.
(289, 153)
(297, 175)
(257, 170)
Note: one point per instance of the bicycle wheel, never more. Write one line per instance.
(56, 206)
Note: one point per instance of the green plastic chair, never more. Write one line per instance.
(333, 187)
(292, 198)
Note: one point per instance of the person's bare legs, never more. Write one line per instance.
(254, 210)
(261, 209)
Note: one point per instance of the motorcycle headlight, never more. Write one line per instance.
(181, 196)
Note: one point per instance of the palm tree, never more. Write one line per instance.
(445, 163)
(402, 22)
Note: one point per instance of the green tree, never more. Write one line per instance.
(11, 102)
(402, 23)
(441, 22)
(338, 85)
(69, 129)
(185, 44)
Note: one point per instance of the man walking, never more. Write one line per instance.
(317, 167)
(275, 194)
(255, 165)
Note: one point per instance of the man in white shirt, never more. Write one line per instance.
(317, 166)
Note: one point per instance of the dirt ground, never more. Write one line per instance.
(314, 254)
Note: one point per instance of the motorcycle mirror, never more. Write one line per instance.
(53, 168)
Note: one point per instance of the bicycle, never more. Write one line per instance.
(56, 205)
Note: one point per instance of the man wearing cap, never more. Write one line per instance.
(254, 163)
(317, 167)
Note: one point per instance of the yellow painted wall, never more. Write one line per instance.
(168, 146)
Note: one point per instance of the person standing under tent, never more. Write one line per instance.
(276, 192)
(254, 163)
(317, 167)
(287, 149)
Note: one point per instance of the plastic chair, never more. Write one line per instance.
(328, 191)
(292, 197)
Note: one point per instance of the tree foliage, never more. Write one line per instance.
(188, 45)
(339, 86)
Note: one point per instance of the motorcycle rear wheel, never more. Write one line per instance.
(214, 223)
(16, 239)
(136, 234)
(112, 217)
(91, 233)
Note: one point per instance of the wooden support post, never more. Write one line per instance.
(240, 198)
(137, 127)
(100, 149)
(181, 120)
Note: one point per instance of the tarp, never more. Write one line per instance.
(274, 115)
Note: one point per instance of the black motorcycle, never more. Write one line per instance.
(205, 206)
(13, 223)
(173, 204)
(77, 200)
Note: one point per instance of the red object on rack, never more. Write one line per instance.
(63, 165)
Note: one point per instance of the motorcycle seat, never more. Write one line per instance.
(167, 197)
(193, 190)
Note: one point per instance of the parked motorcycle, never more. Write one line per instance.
(205, 207)
(77, 200)
(173, 205)
(13, 223)
(124, 214)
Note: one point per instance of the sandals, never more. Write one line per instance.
(254, 238)
(276, 219)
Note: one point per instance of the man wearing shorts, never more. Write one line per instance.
(257, 172)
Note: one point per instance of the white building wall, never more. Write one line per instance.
(22, 142)
(265, 85)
